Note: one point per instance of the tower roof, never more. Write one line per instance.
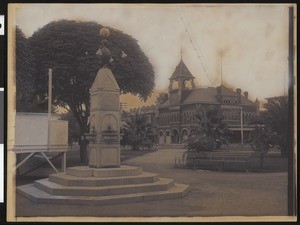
(181, 70)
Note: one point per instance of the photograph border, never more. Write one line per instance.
(10, 180)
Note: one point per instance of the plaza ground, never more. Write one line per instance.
(212, 193)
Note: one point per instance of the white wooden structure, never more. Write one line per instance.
(34, 133)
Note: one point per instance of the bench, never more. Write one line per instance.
(215, 158)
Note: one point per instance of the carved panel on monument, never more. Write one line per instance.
(110, 101)
(109, 123)
(94, 157)
(110, 156)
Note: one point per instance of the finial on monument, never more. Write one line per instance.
(103, 52)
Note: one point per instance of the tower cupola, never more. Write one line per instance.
(181, 81)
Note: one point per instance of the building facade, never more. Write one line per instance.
(175, 115)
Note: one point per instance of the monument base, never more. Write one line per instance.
(102, 186)
(104, 155)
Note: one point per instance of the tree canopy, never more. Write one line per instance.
(275, 118)
(69, 47)
(138, 132)
(25, 72)
(162, 97)
(209, 131)
(260, 141)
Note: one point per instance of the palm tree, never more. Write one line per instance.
(275, 118)
(137, 132)
(209, 130)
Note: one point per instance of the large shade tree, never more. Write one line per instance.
(69, 48)
(25, 74)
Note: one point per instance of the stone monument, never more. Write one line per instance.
(104, 181)
(104, 136)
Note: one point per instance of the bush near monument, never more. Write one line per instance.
(137, 132)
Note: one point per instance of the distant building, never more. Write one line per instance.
(175, 115)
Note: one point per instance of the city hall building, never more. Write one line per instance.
(174, 116)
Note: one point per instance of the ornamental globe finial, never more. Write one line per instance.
(104, 32)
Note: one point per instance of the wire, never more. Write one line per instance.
(204, 66)
(195, 40)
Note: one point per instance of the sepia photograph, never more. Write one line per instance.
(151, 112)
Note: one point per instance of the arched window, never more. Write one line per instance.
(192, 132)
(175, 85)
(161, 133)
(188, 84)
(184, 134)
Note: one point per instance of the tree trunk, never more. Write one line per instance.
(261, 160)
(83, 152)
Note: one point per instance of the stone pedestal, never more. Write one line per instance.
(104, 136)
(104, 155)
(83, 185)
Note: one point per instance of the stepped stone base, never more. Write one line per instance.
(102, 186)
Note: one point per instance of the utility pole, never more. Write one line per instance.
(242, 131)
(49, 105)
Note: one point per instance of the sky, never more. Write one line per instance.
(252, 39)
